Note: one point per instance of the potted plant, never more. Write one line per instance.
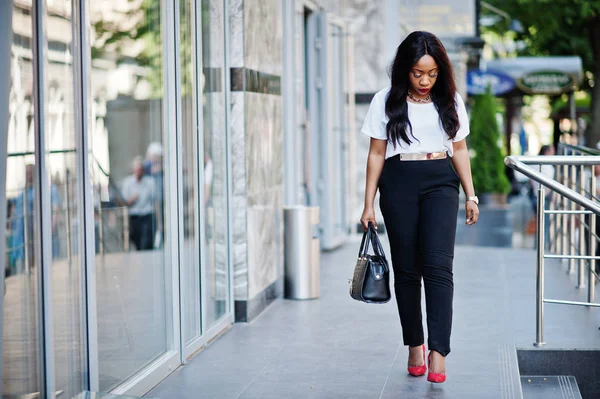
(487, 157)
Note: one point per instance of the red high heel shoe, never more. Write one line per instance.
(438, 378)
(418, 371)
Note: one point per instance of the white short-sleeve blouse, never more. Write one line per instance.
(426, 127)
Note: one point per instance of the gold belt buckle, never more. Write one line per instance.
(424, 157)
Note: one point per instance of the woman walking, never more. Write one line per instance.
(418, 157)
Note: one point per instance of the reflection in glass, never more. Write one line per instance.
(20, 331)
(64, 182)
(190, 256)
(127, 160)
(216, 284)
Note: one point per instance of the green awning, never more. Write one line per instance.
(541, 75)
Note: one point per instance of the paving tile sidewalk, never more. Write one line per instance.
(335, 347)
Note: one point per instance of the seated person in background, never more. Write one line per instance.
(139, 195)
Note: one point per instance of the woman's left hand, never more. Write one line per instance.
(472, 212)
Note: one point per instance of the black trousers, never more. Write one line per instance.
(141, 232)
(419, 203)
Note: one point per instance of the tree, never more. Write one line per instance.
(487, 163)
(133, 36)
(561, 27)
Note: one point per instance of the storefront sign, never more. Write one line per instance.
(546, 82)
(478, 82)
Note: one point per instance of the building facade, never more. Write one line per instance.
(151, 149)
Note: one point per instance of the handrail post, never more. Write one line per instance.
(557, 199)
(582, 262)
(565, 224)
(562, 203)
(593, 242)
(551, 225)
(539, 309)
(557, 205)
(571, 251)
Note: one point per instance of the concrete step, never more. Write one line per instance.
(550, 387)
(581, 364)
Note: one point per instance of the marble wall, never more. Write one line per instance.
(264, 161)
(264, 146)
(263, 36)
(235, 47)
(255, 54)
(238, 201)
(235, 41)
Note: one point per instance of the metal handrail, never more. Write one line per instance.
(570, 160)
(568, 170)
(584, 150)
(569, 173)
(519, 163)
(66, 235)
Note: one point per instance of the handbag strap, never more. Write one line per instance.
(364, 244)
(377, 247)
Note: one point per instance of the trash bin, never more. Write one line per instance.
(301, 252)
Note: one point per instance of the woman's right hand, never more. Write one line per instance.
(368, 215)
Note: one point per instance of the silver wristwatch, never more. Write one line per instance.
(474, 199)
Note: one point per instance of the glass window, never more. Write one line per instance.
(63, 179)
(215, 257)
(20, 313)
(127, 155)
(190, 256)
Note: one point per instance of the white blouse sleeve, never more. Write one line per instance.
(375, 124)
(463, 119)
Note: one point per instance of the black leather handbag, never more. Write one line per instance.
(371, 279)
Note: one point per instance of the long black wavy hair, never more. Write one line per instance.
(410, 51)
